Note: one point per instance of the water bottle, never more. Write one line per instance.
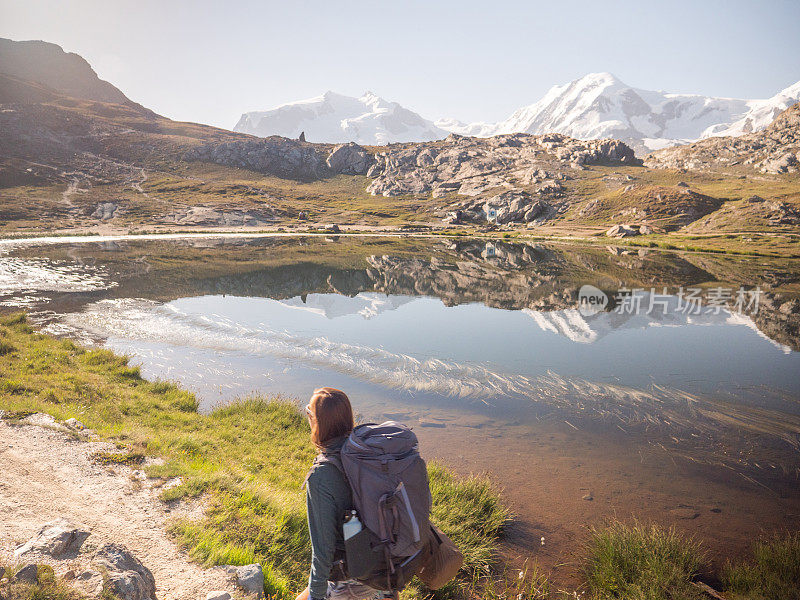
(352, 525)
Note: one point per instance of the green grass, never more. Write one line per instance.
(249, 458)
(773, 573)
(639, 562)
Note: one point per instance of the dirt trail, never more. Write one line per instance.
(45, 474)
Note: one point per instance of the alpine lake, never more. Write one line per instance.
(668, 391)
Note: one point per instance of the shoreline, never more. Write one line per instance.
(736, 244)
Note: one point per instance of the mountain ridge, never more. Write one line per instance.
(600, 105)
(595, 106)
(336, 118)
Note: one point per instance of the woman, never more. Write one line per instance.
(328, 496)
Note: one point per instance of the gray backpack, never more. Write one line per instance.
(390, 488)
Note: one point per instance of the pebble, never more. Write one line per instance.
(684, 512)
(588, 497)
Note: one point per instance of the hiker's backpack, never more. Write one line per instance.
(390, 488)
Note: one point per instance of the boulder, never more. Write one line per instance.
(55, 539)
(128, 577)
(106, 211)
(534, 211)
(622, 231)
(645, 230)
(249, 577)
(27, 574)
(508, 206)
(90, 582)
(350, 159)
(218, 595)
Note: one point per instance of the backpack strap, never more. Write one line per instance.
(333, 458)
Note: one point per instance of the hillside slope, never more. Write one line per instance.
(47, 64)
(76, 163)
(774, 150)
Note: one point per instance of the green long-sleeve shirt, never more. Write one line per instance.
(328, 496)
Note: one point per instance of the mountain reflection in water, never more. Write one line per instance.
(447, 326)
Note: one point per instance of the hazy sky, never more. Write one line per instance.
(210, 61)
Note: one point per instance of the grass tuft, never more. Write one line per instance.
(128, 458)
(639, 562)
(774, 571)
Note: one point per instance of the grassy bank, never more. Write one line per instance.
(248, 459)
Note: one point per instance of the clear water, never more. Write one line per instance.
(435, 331)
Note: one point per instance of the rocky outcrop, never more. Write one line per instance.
(508, 178)
(276, 156)
(106, 211)
(474, 166)
(783, 214)
(349, 159)
(55, 538)
(215, 217)
(784, 163)
(286, 158)
(774, 150)
(514, 205)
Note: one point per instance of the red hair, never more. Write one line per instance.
(332, 415)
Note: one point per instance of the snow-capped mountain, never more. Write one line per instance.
(760, 114)
(599, 105)
(595, 106)
(335, 118)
